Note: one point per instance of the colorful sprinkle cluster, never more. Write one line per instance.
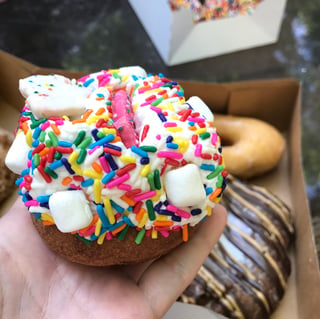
(124, 186)
(215, 9)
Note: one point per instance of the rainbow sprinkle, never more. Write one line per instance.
(204, 10)
(124, 185)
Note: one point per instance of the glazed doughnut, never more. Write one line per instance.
(116, 167)
(252, 147)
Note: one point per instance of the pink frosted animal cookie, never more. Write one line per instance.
(115, 167)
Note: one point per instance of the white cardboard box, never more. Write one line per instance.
(179, 40)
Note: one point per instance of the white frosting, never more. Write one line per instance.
(186, 151)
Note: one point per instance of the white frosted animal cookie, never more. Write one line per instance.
(57, 97)
(116, 151)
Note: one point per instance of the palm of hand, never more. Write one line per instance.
(36, 283)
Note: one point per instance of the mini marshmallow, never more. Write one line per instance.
(184, 186)
(143, 116)
(17, 156)
(133, 70)
(199, 106)
(54, 95)
(70, 210)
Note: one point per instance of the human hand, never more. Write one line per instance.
(37, 283)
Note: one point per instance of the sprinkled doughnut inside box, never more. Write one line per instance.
(116, 150)
(215, 9)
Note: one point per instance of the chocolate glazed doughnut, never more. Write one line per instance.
(245, 275)
(116, 167)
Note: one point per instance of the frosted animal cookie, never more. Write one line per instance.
(121, 162)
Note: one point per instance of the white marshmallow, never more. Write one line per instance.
(199, 106)
(70, 210)
(17, 156)
(133, 70)
(53, 95)
(184, 186)
(147, 116)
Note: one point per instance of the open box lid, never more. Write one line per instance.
(178, 39)
(275, 101)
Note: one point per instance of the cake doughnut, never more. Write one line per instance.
(116, 167)
(251, 147)
(246, 273)
(7, 177)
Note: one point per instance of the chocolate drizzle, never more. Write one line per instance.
(246, 273)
